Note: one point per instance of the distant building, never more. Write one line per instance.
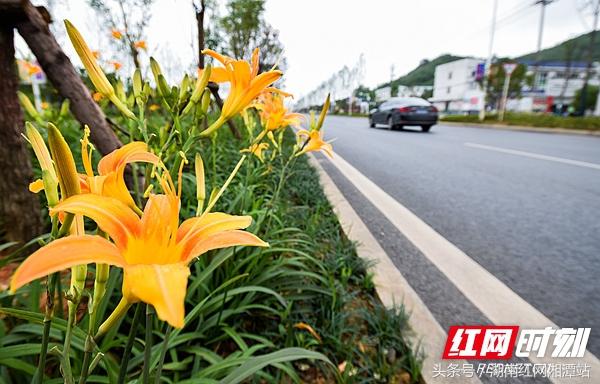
(455, 86)
(555, 83)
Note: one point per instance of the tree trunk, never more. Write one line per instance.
(64, 77)
(200, 24)
(19, 209)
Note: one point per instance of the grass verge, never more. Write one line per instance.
(590, 123)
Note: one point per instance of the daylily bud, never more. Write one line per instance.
(68, 179)
(50, 187)
(96, 74)
(26, 103)
(64, 108)
(200, 182)
(155, 69)
(137, 83)
(120, 91)
(39, 148)
(183, 88)
(205, 102)
(163, 86)
(323, 113)
(94, 71)
(198, 89)
(201, 84)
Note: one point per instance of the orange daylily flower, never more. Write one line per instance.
(116, 34)
(246, 84)
(313, 141)
(32, 69)
(140, 44)
(111, 169)
(257, 150)
(96, 54)
(44, 105)
(116, 65)
(110, 182)
(273, 113)
(153, 250)
(97, 96)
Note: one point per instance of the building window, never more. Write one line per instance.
(449, 75)
(448, 89)
(541, 80)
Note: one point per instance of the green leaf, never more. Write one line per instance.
(254, 364)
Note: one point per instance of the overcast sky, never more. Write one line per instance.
(321, 36)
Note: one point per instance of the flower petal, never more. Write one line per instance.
(212, 223)
(220, 240)
(114, 186)
(217, 75)
(64, 253)
(111, 215)
(162, 285)
(129, 153)
(160, 219)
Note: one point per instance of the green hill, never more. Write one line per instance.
(423, 74)
(575, 49)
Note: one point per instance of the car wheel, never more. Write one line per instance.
(371, 123)
(390, 123)
(425, 128)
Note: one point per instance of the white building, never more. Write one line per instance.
(456, 89)
(455, 86)
(555, 83)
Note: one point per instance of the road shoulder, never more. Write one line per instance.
(392, 288)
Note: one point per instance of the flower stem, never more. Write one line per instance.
(147, 344)
(50, 289)
(66, 368)
(52, 282)
(127, 351)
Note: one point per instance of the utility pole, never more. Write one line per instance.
(488, 62)
(544, 3)
(392, 80)
(590, 58)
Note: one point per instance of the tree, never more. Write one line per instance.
(128, 20)
(244, 28)
(590, 97)
(496, 81)
(364, 93)
(242, 25)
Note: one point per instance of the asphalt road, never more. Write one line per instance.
(532, 222)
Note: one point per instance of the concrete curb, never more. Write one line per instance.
(392, 288)
(563, 131)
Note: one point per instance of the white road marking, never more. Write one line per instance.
(494, 299)
(532, 155)
(392, 288)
